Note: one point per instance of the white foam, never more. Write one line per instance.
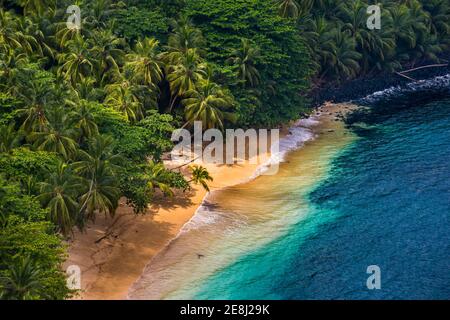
(299, 133)
(437, 83)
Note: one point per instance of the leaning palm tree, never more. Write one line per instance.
(156, 177)
(200, 176)
(207, 104)
(23, 280)
(244, 59)
(59, 194)
(184, 74)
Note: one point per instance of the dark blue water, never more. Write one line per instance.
(386, 203)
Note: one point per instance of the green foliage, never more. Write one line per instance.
(224, 23)
(22, 163)
(86, 114)
(135, 23)
(27, 240)
(36, 241)
(138, 183)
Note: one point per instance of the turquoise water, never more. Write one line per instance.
(386, 202)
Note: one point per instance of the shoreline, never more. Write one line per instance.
(222, 230)
(356, 89)
(113, 253)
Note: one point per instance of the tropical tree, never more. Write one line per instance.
(124, 98)
(84, 120)
(57, 136)
(59, 194)
(98, 166)
(22, 280)
(145, 63)
(200, 176)
(245, 59)
(9, 138)
(11, 60)
(208, 104)
(37, 7)
(156, 177)
(343, 62)
(78, 62)
(37, 96)
(185, 73)
(106, 51)
(289, 8)
(184, 36)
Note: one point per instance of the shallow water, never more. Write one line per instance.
(339, 204)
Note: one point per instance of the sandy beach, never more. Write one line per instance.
(112, 253)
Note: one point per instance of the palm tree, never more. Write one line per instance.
(36, 96)
(9, 36)
(84, 119)
(59, 195)
(78, 63)
(244, 60)
(207, 103)
(37, 7)
(100, 12)
(439, 13)
(98, 166)
(107, 53)
(200, 176)
(343, 62)
(86, 89)
(402, 26)
(123, 97)
(103, 193)
(319, 35)
(10, 62)
(185, 36)
(9, 138)
(145, 63)
(156, 177)
(23, 280)
(184, 74)
(288, 8)
(57, 135)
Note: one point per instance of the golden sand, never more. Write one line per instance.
(112, 253)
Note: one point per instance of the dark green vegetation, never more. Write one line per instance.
(86, 114)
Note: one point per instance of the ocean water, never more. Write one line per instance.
(386, 202)
(374, 193)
